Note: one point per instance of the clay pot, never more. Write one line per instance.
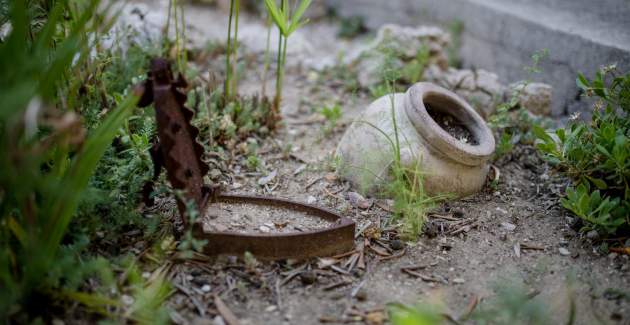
(450, 165)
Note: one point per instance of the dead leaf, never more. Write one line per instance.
(372, 232)
(375, 317)
(326, 262)
(330, 177)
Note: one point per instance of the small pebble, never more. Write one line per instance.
(357, 200)
(264, 229)
(271, 308)
(218, 320)
(361, 295)
(311, 199)
(396, 245)
(593, 234)
(502, 210)
(200, 281)
(205, 288)
(459, 280)
(308, 277)
(127, 300)
(563, 251)
(508, 226)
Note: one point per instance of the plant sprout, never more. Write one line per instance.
(177, 15)
(266, 59)
(229, 88)
(287, 24)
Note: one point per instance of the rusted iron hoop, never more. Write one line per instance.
(179, 152)
(298, 245)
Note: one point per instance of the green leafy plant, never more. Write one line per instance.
(46, 158)
(596, 155)
(419, 314)
(350, 27)
(287, 23)
(406, 188)
(253, 162)
(513, 124)
(396, 67)
(332, 114)
(228, 123)
(455, 28)
(189, 244)
(512, 303)
(413, 70)
(55, 186)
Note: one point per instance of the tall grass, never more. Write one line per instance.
(411, 203)
(287, 23)
(231, 55)
(46, 156)
(406, 186)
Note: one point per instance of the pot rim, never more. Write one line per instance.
(438, 138)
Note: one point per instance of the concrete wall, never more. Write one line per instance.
(501, 35)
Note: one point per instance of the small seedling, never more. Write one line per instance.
(287, 24)
(513, 124)
(350, 27)
(253, 162)
(231, 55)
(406, 187)
(332, 114)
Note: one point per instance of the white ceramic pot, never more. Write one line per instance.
(449, 165)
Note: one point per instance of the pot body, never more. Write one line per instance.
(366, 152)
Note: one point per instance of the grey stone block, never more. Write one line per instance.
(501, 36)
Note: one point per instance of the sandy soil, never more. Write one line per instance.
(516, 232)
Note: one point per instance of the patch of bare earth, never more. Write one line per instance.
(514, 232)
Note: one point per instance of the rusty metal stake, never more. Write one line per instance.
(180, 153)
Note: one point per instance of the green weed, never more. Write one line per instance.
(406, 72)
(596, 155)
(513, 124)
(512, 303)
(48, 160)
(287, 23)
(332, 114)
(350, 27)
(455, 28)
(406, 187)
(253, 162)
(229, 88)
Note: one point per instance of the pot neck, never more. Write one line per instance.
(416, 99)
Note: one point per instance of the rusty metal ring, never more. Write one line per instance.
(298, 245)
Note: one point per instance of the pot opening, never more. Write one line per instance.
(451, 117)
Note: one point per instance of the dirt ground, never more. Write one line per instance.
(515, 232)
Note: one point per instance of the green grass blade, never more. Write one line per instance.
(297, 16)
(63, 205)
